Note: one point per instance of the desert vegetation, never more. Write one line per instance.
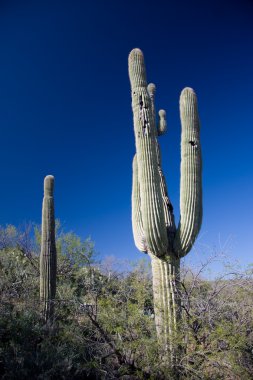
(103, 323)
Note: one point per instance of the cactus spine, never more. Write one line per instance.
(153, 222)
(48, 251)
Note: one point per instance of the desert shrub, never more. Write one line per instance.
(103, 326)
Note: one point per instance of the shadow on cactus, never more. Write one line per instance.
(153, 222)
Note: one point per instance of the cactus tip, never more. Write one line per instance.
(188, 91)
(187, 94)
(162, 113)
(137, 72)
(136, 51)
(151, 88)
(136, 54)
(49, 184)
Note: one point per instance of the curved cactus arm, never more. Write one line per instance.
(48, 249)
(191, 168)
(145, 138)
(138, 232)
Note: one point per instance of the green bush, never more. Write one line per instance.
(103, 326)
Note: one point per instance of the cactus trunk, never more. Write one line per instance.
(48, 251)
(153, 222)
(166, 298)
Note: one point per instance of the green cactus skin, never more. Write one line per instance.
(48, 251)
(191, 167)
(153, 222)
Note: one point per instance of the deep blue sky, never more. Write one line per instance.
(65, 109)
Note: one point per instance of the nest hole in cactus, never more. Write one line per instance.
(193, 143)
(141, 102)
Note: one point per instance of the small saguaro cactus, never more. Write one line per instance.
(48, 251)
(153, 222)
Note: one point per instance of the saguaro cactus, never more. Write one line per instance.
(153, 222)
(48, 250)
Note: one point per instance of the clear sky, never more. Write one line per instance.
(65, 109)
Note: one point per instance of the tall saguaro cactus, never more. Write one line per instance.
(48, 250)
(152, 213)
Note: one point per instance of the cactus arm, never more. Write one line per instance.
(145, 137)
(167, 206)
(151, 91)
(168, 211)
(139, 237)
(162, 126)
(191, 168)
(48, 250)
